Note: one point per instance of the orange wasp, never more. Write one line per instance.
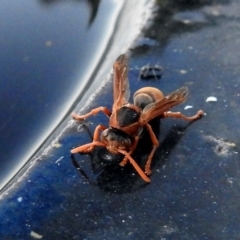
(126, 121)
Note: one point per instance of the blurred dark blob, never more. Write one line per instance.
(94, 5)
(149, 72)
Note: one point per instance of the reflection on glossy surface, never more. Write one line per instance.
(47, 53)
(93, 4)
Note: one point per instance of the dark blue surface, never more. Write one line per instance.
(195, 188)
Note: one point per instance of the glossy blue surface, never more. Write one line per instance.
(48, 52)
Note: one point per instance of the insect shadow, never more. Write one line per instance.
(103, 169)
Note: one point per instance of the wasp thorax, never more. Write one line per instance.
(127, 116)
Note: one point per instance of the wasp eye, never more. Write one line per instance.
(105, 133)
(126, 142)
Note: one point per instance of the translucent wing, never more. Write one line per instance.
(157, 108)
(121, 90)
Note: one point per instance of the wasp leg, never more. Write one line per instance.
(180, 115)
(94, 143)
(138, 169)
(85, 148)
(133, 147)
(96, 135)
(155, 145)
(77, 166)
(93, 112)
(96, 132)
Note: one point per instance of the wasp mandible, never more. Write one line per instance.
(127, 120)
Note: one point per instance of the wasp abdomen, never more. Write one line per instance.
(146, 95)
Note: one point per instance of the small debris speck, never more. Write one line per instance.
(35, 235)
(187, 107)
(182, 71)
(59, 159)
(48, 43)
(56, 145)
(223, 147)
(211, 99)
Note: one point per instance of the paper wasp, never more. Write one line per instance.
(126, 121)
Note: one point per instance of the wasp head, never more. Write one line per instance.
(115, 139)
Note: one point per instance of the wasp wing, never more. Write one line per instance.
(121, 90)
(157, 108)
